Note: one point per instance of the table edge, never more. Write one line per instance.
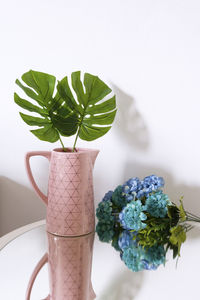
(4, 240)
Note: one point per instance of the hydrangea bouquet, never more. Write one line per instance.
(142, 223)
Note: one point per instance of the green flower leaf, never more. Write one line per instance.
(156, 232)
(182, 211)
(173, 214)
(178, 236)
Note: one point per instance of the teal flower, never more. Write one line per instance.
(104, 211)
(105, 231)
(105, 226)
(156, 204)
(132, 215)
(155, 256)
(118, 197)
(137, 259)
(133, 258)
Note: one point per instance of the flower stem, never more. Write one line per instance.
(192, 215)
(64, 149)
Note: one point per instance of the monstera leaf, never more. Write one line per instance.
(40, 88)
(88, 115)
(91, 115)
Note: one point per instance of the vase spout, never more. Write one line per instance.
(93, 156)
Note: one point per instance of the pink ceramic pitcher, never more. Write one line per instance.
(70, 223)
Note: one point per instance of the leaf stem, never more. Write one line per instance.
(76, 140)
(64, 149)
(77, 135)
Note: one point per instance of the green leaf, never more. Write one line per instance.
(91, 133)
(29, 106)
(29, 92)
(47, 133)
(34, 121)
(104, 107)
(40, 88)
(63, 111)
(78, 88)
(88, 112)
(66, 94)
(96, 89)
(103, 119)
(67, 126)
(42, 83)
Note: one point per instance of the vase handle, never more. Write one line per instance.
(46, 154)
(92, 293)
(37, 269)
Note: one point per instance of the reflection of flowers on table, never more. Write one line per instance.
(142, 223)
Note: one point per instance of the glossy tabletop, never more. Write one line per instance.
(21, 250)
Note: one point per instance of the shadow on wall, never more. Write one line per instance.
(129, 122)
(18, 206)
(175, 190)
(124, 287)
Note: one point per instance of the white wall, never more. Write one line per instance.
(147, 50)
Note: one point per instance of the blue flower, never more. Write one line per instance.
(148, 266)
(156, 204)
(107, 196)
(126, 239)
(141, 194)
(133, 258)
(152, 183)
(133, 185)
(135, 188)
(132, 215)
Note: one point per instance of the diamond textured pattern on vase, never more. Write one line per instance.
(70, 223)
(70, 209)
(70, 267)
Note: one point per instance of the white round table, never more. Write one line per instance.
(22, 249)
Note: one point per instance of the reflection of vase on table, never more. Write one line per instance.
(70, 223)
